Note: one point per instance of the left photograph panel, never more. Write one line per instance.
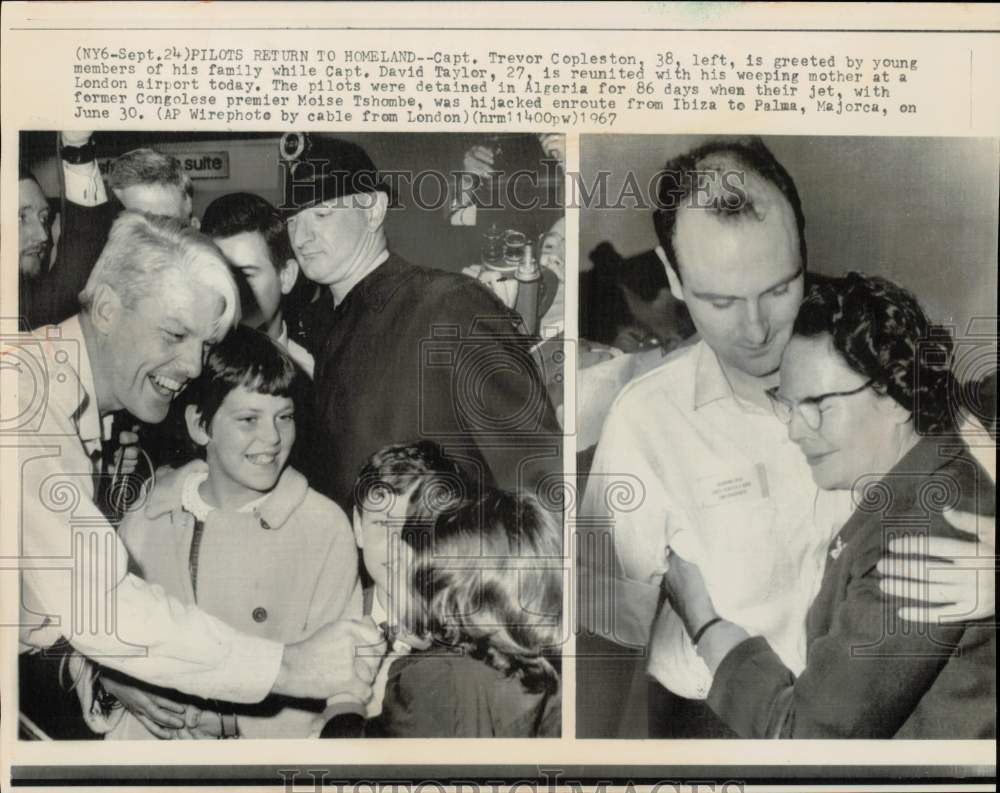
(290, 429)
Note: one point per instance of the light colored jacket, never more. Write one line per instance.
(73, 565)
(279, 572)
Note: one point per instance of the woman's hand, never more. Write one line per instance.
(957, 584)
(200, 725)
(159, 715)
(687, 594)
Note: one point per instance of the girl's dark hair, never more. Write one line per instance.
(882, 333)
(489, 581)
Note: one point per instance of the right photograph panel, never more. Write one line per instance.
(786, 397)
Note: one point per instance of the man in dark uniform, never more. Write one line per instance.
(406, 352)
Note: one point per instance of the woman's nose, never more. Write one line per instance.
(798, 428)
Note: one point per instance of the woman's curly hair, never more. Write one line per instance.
(882, 333)
(489, 582)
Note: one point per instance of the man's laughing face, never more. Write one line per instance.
(158, 344)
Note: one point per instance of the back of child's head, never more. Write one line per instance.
(490, 582)
(420, 471)
(245, 357)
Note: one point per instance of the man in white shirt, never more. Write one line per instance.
(158, 295)
(715, 475)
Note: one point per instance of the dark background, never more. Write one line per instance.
(421, 235)
(920, 211)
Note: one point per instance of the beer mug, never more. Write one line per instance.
(513, 248)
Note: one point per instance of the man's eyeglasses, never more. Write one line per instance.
(809, 408)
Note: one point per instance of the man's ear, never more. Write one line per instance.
(105, 309)
(192, 418)
(675, 282)
(187, 208)
(288, 274)
(378, 208)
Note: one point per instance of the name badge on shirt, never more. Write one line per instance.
(747, 484)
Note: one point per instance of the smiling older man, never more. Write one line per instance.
(158, 295)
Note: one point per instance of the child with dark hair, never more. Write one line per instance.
(476, 587)
(241, 535)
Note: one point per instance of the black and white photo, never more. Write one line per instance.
(285, 418)
(790, 441)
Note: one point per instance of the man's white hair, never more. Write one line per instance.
(144, 250)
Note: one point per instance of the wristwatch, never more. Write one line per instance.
(227, 719)
(78, 155)
(230, 727)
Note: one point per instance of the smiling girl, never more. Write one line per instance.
(241, 535)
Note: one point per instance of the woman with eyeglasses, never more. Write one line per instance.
(865, 389)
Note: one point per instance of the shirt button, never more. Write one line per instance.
(259, 614)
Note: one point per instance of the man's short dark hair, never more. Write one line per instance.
(683, 176)
(245, 357)
(238, 213)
